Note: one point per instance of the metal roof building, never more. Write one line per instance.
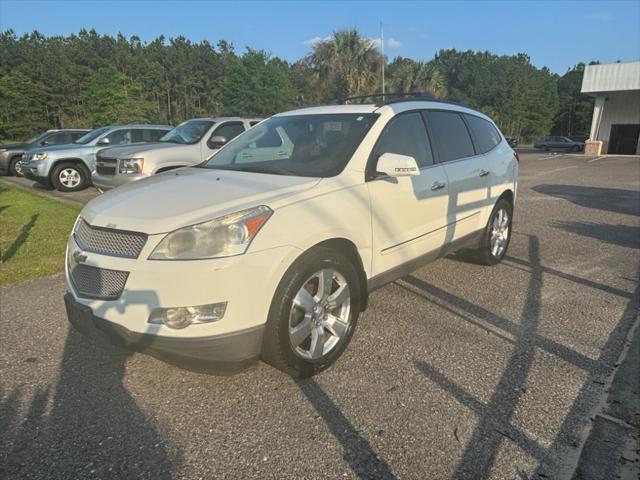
(616, 113)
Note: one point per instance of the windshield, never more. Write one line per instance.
(299, 145)
(92, 135)
(40, 136)
(188, 132)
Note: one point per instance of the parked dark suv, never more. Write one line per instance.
(11, 153)
(559, 143)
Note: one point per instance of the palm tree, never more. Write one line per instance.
(406, 75)
(347, 64)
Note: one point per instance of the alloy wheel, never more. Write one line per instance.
(69, 177)
(320, 314)
(499, 232)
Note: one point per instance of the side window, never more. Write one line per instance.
(450, 135)
(138, 135)
(58, 139)
(406, 135)
(229, 130)
(120, 137)
(484, 132)
(154, 135)
(76, 135)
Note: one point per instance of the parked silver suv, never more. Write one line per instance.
(190, 143)
(68, 167)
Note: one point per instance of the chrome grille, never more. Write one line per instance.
(105, 241)
(93, 282)
(106, 166)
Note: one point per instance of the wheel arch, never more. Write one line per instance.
(74, 160)
(348, 249)
(507, 195)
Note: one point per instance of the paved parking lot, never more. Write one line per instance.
(456, 371)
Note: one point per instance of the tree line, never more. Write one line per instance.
(89, 80)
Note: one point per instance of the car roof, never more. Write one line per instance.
(135, 125)
(394, 106)
(226, 119)
(54, 130)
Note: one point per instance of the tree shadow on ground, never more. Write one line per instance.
(622, 235)
(88, 425)
(22, 236)
(614, 200)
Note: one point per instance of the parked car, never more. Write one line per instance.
(268, 252)
(68, 167)
(190, 143)
(512, 141)
(11, 153)
(559, 143)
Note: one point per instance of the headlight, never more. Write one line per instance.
(223, 237)
(39, 156)
(131, 165)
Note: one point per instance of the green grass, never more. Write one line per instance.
(33, 234)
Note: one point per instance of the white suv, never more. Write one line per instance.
(271, 247)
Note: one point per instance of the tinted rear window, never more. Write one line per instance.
(450, 135)
(484, 132)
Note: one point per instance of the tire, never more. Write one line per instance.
(286, 343)
(487, 254)
(14, 168)
(69, 177)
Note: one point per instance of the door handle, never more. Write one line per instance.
(438, 185)
(282, 154)
(484, 173)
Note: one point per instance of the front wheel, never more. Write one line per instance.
(15, 167)
(497, 234)
(313, 314)
(69, 177)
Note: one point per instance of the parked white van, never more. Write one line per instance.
(270, 250)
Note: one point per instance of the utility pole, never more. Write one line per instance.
(383, 59)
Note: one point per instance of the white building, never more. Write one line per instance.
(616, 113)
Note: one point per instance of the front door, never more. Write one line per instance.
(408, 214)
(624, 139)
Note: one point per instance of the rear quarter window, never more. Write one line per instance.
(486, 135)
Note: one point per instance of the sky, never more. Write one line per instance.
(556, 34)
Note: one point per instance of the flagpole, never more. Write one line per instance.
(383, 59)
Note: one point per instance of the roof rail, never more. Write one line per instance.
(422, 95)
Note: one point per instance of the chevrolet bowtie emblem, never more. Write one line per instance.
(79, 256)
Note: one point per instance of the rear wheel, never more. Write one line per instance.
(15, 168)
(497, 234)
(69, 177)
(313, 314)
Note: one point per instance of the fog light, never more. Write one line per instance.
(182, 317)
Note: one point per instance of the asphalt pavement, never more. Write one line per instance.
(455, 371)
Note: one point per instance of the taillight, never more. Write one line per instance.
(515, 154)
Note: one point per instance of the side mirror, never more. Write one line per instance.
(396, 165)
(216, 141)
(104, 141)
(44, 143)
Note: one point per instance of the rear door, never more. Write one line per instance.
(466, 168)
(408, 214)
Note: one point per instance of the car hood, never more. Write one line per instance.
(13, 146)
(126, 151)
(60, 148)
(187, 196)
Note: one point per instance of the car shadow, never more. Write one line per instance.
(614, 200)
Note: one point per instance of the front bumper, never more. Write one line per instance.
(108, 182)
(246, 282)
(36, 171)
(229, 348)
